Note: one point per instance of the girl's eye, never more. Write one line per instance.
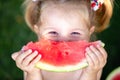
(53, 33)
(75, 33)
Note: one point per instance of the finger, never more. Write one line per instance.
(100, 56)
(22, 56)
(89, 60)
(103, 51)
(14, 55)
(104, 55)
(37, 59)
(29, 58)
(97, 53)
(93, 56)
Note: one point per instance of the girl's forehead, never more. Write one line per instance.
(67, 12)
(65, 8)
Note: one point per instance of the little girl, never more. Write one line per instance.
(65, 20)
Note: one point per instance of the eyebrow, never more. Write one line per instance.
(48, 28)
(78, 29)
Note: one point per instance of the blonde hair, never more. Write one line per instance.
(100, 18)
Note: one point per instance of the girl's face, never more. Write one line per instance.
(63, 25)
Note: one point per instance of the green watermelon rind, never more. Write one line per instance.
(113, 73)
(68, 68)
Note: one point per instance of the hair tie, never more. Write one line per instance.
(35, 0)
(96, 4)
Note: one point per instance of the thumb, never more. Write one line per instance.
(101, 43)
(14, 55)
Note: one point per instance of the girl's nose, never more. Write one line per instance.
(64, 38)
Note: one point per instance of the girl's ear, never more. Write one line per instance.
(92, 29)
(36, 29)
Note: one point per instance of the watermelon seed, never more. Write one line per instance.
(66, 53)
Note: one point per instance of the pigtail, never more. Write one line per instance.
(32, 12)
(103, 15)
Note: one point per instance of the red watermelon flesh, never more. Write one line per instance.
(61, 55)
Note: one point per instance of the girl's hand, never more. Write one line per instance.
(96, 58)
(26, 61)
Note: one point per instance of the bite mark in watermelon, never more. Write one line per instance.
(61, 56)
(114, 75)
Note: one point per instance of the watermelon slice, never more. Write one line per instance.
(60, 56)
(114, 75)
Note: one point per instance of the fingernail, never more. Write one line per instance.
(87, 49)
(39, 56)
(91, 46)
(13, 56)
(23, 48)
(35, 52)
(98, 45)
(29, 50)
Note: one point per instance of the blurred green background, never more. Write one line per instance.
(14, 33)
